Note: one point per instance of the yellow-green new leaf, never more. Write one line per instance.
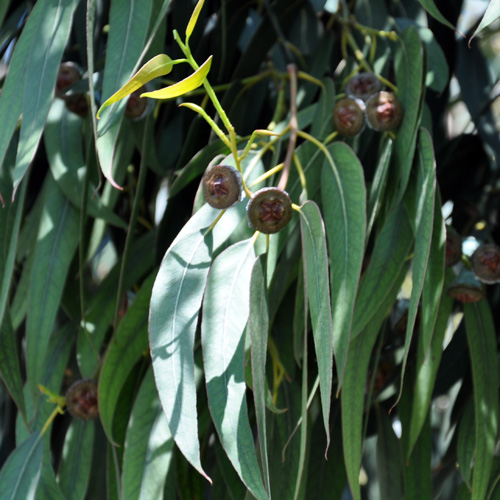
(160, 65)
(194, 18)
(184, 86)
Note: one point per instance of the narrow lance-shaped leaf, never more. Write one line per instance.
(492, 14)
(20, 473)
(56, 244)
(431, 8)
(148, 446)
(344, 203)
(225, 313)
(175, 303)
(425, 199)
(192, 82)
(258, 325)
(481, 338)
(317, 289)
(160, 65)
(43, 61)
(194, 19)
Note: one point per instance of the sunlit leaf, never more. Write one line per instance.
(317, 289)
(492, 14)
(192, 82)
(158, 66)
(194, 18)
(225, 313)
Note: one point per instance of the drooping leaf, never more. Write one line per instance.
(481, 339)
(225, 313)
(317, 288)
(492, 14)
(20, 473)
(344, 203)
(56, 244)
(129, 343)
(466, 444)
(430, 7)
(74, 469)
(258, 325)
(43, 61)
(192, 82)
(148, 446)
(160, 65)
(424, 221)
(175, 303)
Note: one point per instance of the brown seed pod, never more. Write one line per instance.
(363, 86)
(466, 287)
(453, 247)
(221, 186)
(81, 399)
(486, 263)
(78, 104)
(69, 73)
(349, 117)
(384, 111)
(136, 107)
(269, 210)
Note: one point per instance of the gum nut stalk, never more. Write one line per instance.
(348, 116)
(269, 210)
(221, 186)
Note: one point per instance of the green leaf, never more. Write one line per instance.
(192, 82)
(74, 469)
(129, 343)
(129, 24)
(424, 221)
(481, 339)
(492, 14)
(353, 390)
(160, 65)
(258, 324)
(193, 19)
(47, 488)
(431, 8)
(56, 245)
(148, 446)
(466, 444)
(43, 61)
(389, 458)
(63, 142)
(10, 366)
(175, 303)
(20, 473)
(388, 258)
(344, 203)
(411, 91)
(225, 313)
(317, 289)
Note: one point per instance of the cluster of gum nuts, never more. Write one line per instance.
(366, 102)
(77, 102)
(468, 286)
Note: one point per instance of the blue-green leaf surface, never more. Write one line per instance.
(148, 446)
(258, 324)
(317, 289)
(129, 23)
(424, 221)
(56, 245)
(129, 343)
(225, 314)
(20, 473)
(175, 303)
(482, 341)
(76, 460)
(344, 204)
(43, 60)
